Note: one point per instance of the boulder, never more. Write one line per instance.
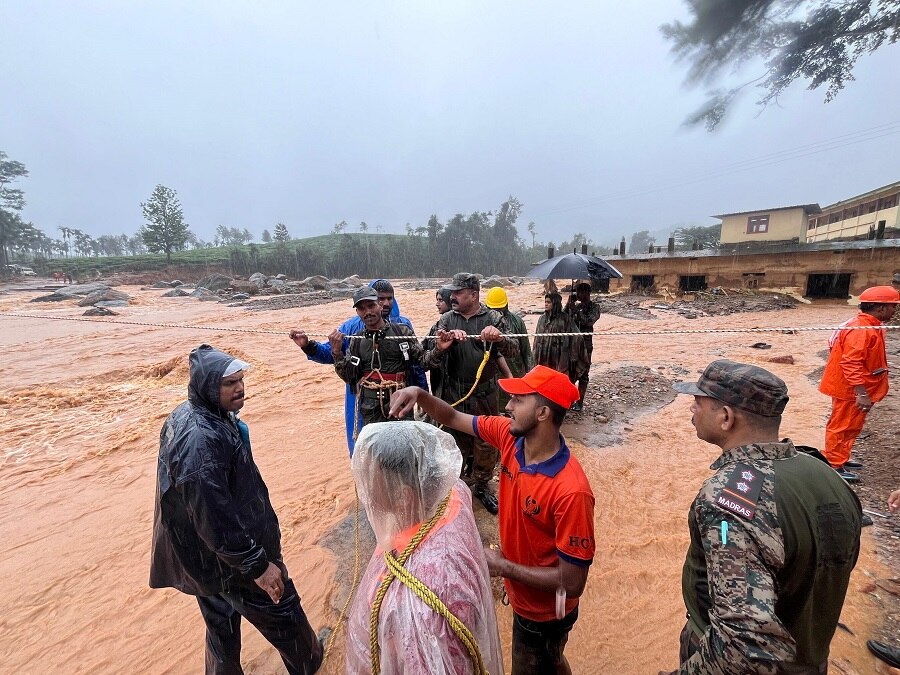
(240, 296)
(176, 283)
(342, 292)
(175, 293)
(53, 297)
(353, 281)
(317, 282)
(100, 311)
(788, 359)
(293, 287)
(76, 290)
(161, 284)
(493, 282)
(108, 295)
(215, 282)
(246, 287)
(278, 284)
(201, 292)
(111, 303)
(281, 277)
(258, 279)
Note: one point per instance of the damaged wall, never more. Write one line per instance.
(871, 265)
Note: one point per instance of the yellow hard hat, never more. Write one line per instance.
(496, 298)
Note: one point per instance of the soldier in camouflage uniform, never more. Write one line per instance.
(774, 536)
(459, 359)
(564, 353)
(585, 313)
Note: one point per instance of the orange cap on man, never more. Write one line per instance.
(551, 384)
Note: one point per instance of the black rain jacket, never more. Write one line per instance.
(214, 526)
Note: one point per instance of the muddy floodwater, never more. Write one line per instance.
(82, 405)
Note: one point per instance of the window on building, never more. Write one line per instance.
(642, 282)
(871, 207)
(756, 224)
(752, 279)
(887, 202)
(813, 223)
(828, 286)
(834, 217)
(690, 283)
(852, 212)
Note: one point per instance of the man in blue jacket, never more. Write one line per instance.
(215, 533)
(320, 352)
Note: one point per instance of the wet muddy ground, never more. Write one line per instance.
(82, 407)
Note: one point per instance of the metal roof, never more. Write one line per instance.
(809, 208)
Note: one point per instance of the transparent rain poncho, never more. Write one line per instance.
(403, 471)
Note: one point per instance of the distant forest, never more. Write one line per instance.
(487, 242)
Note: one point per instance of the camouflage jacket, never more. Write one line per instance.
(459, 364)
(584, 316)
(767, 570)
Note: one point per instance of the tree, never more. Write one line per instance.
(817, 41)
(266, 237)
(281, 233)
(339, 227)
(532, 231)
(165, 230)
(703, 237)
(12, 200)
(640, 242)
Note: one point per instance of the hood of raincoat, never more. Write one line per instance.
(403, 470)
(207, 366)
(395, 309)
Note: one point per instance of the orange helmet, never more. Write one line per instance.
(880, 294)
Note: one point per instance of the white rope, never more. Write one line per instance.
(670, 331)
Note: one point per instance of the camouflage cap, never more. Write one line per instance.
(741, 385)
(364, 293)
(464, 280)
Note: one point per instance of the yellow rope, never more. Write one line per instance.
(353, 585)
(400, 560)
(484, 360)
(433, 601)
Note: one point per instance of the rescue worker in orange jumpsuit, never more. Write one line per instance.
(856, 376)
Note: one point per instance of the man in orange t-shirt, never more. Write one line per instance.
(546, 515)
(856, 375)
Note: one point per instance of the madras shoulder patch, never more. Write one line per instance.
(741, 492)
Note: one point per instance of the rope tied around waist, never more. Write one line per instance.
(396, 570)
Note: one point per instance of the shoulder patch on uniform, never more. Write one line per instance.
(741, 492)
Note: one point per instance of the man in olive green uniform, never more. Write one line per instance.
(774, 536)
(585, 313)
(459, 358)
(376, 363)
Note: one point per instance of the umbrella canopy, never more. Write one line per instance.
(574, 266)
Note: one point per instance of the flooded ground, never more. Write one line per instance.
(82, 405)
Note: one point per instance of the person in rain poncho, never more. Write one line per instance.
(566, 353)
(404, 472)
(321, 352)
(215, 533)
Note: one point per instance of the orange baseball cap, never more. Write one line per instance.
(549, 383)
(882, 294)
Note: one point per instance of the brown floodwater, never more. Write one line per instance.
(81, 409)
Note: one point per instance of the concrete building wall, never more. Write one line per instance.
(783, 270)
(841, 223)
(783, 225)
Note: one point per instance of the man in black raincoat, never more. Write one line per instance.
(215, 534)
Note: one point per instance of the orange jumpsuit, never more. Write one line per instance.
(857, 358)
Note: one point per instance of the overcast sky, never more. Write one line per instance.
(313, 113)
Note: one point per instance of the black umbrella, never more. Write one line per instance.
(574, 266)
